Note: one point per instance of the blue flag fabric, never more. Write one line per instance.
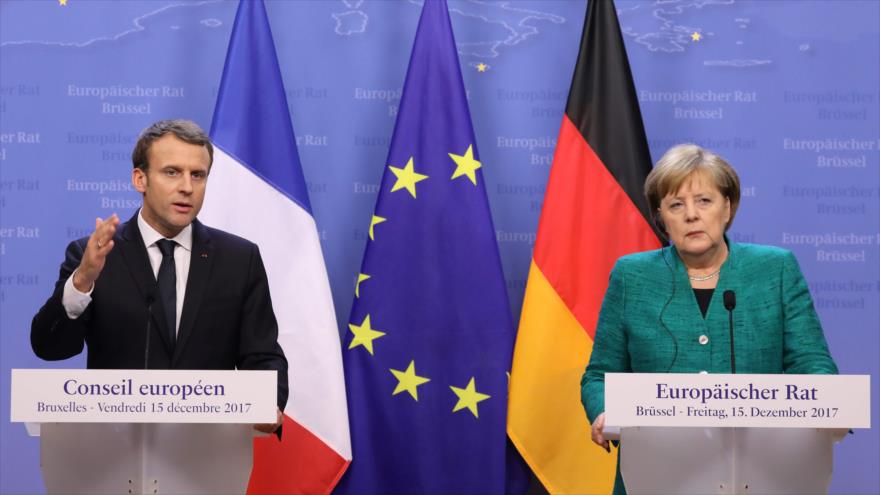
(251, 118)
(430, 335)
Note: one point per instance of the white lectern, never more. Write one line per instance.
(144, 432)
(731, 434)
(702, 461)
(119, 458)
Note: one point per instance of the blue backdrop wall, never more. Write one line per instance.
(787, 91)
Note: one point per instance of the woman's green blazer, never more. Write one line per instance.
(650, 321)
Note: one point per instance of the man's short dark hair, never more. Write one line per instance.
(185, 130)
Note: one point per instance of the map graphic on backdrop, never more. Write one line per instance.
(787, 91)
(513, 24)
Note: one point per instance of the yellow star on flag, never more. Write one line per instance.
(361, 277)
(466, 165)
(407, 178)
(62, 2)
(468, 397)
(408, 380)
(481, 67)
(376, 220)
(364, 335)
(696, 36)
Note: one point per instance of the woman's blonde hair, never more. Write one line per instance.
(676, 165)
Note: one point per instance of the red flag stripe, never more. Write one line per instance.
(587, 222)
(308, 465)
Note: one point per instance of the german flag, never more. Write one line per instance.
(594, 212)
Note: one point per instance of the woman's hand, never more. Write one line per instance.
(596, 433)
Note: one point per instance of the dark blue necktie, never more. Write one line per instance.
(168, 286)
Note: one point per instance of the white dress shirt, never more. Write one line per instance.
(76, 302)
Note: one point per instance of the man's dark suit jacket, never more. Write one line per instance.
(227, 320)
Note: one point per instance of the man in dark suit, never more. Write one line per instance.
(163, 291)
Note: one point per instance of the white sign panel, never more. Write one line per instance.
(724, 400)
(144, 396)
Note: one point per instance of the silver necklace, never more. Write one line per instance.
(703, 278)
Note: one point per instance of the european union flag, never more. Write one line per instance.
(431, 336)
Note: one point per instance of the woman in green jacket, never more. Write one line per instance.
(664, 311)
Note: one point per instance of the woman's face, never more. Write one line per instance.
(695, 216)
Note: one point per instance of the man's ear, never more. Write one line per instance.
(139, 180)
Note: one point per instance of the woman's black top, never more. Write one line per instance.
(704, 297)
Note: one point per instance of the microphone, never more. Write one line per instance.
(729, 305)
(150, 298)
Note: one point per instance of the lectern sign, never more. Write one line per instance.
(143, 396)
(787, 401)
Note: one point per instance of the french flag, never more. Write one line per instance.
(257, 190)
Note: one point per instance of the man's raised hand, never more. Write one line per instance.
(100, 244)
